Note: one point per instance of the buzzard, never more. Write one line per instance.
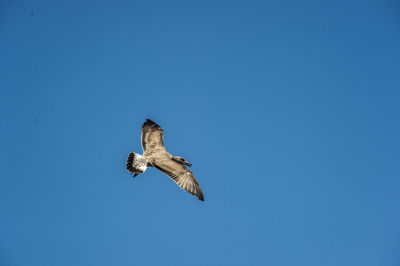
(155, 155)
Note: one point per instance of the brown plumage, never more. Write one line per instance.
(155, 155)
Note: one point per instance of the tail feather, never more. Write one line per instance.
(129, 162)
(135, 164)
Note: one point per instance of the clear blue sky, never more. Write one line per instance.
(288, 111)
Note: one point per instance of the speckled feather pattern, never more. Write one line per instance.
(155, 155)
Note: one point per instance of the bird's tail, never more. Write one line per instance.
(136, 164)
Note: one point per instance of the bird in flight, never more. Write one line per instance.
(155, 155)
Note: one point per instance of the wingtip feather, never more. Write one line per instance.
(151, 124)
(201, 197)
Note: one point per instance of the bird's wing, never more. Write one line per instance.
(152, 135)
(182, 176)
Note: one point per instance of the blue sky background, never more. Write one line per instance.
(288, 111)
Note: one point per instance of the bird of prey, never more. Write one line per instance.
(155, 155)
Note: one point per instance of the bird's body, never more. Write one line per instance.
(155, 155)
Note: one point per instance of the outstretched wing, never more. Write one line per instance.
(182, 176)
(152, 135)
